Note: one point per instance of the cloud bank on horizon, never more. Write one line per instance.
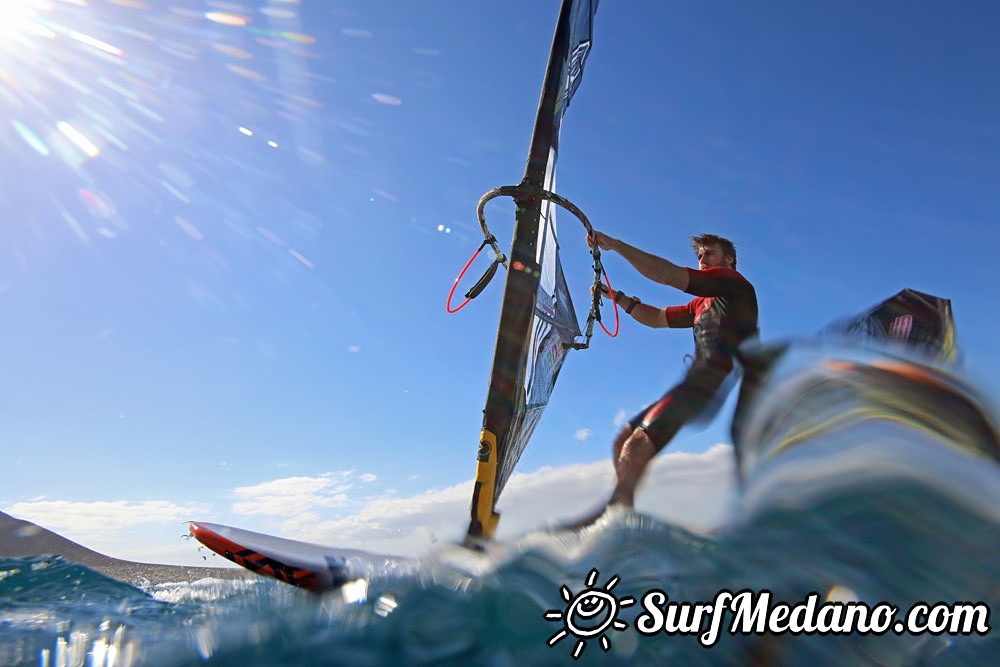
(696, 491)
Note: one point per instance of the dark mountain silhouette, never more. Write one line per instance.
(23, 538)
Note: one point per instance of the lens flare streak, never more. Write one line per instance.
(96, 43)
(9, 80)
(124, 92)
(297, 255)
(189, 229)
(31, 138)
(270, 236)
(75, 226)
(227, 19)
(175, 192)
(68, 81)
(80, 141)
(110, 138)
(145, 111)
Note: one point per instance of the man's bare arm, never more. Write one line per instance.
(642, 313)
(651, 316)
(653, 267)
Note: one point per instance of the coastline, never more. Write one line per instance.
(19, 538)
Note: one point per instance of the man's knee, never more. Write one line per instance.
(637, 447)
(623, 435)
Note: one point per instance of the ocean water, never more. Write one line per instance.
(900, 544)
(863, 484)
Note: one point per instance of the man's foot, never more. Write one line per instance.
(588, 520)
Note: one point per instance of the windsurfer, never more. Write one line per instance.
(723, 315)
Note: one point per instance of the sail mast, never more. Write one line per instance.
(506, 379)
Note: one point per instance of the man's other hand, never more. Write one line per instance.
(602, 288)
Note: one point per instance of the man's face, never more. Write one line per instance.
(711, 257)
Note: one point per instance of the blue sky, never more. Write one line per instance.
(202, 325)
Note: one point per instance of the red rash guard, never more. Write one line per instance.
(723, 315)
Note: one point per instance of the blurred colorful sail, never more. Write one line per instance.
(913, 320)
(879, 397)
(537, 319)
(912, 327)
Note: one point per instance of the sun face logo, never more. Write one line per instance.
(589, 613)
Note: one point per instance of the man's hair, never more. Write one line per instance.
(705, 240)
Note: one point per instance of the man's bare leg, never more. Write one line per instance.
(632, 452)
(631, 460)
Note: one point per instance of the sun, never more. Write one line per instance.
(17, 16)
(589, 614)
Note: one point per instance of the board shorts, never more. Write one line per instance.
(684, 403)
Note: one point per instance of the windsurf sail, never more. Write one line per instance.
(918, 325)
(919, 322)
(880, 398)
(538, 324)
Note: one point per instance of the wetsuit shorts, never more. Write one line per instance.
(681, 405)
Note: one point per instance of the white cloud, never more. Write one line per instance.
(101, 521)
(694, 490)
(620, 417)
(583, 433)
(54, 514)
(391, 524)
(353, 348)
(367, 477)
(293, 495)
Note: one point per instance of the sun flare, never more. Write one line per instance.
(19, 16)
